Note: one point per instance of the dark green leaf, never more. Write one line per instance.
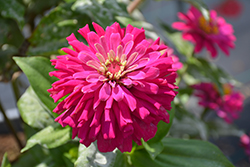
(12, 9)
(182, 153)
(163, 128)
(32, 111)
(37, 70)
(39, 156)
(49, 137)
(34, 157)
(101, 12)
(5, 161)
(51, 32)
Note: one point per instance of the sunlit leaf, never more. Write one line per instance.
(32, 111)
(5, 161)
(37, 71)
(50, 137)
(91, 157)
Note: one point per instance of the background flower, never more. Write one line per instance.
(117, 89)
(227, 106)
(210, 34)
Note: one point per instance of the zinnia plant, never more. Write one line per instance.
(114, 94)
(213, 33)
(119, 87)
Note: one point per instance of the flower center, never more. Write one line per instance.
(209, 27)
(114, 66)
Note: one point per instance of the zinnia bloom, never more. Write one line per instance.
(227, 106)
(210, 34)
(116, 89)
(245, 143)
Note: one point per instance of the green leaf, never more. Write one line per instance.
(39, 156)
(5, 161)
(37, 70)
(32, 111)
(182, 153)
(12, 9)
(101, 12)
(35, 157)
(91, 157)
(163, 128)
(153, 149)
(51, 32)
(49, 137)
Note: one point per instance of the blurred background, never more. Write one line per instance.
(235, 12)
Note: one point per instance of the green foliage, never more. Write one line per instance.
(37, 70)
(102, 12)
(37, 156)
(49, 144)
(50, 137)
(5, 161)
(32, 111)
(50, 34)
(12, 9)
(184, 153)
(91, 157)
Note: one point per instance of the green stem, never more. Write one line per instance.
(8, 122)
(14, 85)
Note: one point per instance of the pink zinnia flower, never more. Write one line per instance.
(245, 143)
(227, 106)
(117, 89)
(206, 33)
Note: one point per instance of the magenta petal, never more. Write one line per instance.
(115, 40)
(211, 48)
(131, 101)
(136, 75)
(105, 92)
(100, 31)
(117, 93)
(116, 88)
(93, 78)
(84, 31)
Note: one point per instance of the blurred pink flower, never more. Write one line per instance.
(176, 63)
(206, 33)
(245, 142)
(116, 89)
(227, 106)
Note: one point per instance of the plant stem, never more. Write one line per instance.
(133, 5)
(8, 122)
(14, 84)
